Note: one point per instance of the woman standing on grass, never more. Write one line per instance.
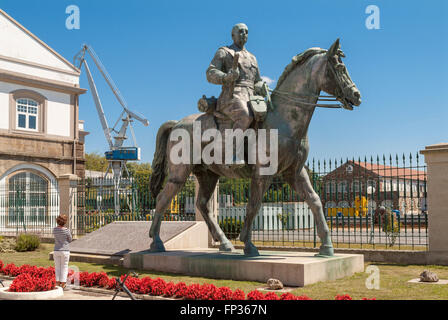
(62, 238)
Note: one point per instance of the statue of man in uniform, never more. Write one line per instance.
(236, 69)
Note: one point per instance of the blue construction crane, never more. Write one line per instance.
(118, 155)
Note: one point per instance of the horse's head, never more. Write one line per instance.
(337, 80)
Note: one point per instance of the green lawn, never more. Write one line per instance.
(393, 279)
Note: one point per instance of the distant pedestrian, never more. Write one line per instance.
(62, 238)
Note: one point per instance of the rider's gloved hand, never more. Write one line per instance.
(260, 88)
(231, 76)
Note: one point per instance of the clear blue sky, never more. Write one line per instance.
(157, 53)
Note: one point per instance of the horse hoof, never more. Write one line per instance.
(326, 251)
(243, 237)
(157, 246)
(226, 247)
(251, 251)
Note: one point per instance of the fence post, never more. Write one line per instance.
(212, 208)
(436, 158)
(68, 184)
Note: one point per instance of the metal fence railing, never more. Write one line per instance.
(28, 206)
(96, 203)
(352, 192)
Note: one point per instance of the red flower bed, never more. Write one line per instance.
(25, 282)
(224, 293)
(255, 295)
(193, 292)
(157, 287)
(170, 289)
(271, 296)
(180, 290)
(32, 278)
(11, 270)
(343, 297)
(238, 295)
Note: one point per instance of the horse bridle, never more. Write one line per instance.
(298, 98)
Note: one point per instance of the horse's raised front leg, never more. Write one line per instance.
(258, 187)
(207, 184)
(175, 183)
(302, 185)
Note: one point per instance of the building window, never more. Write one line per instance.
(371, 183)
(27, 115)
(371, 186)
(394, 185)
(355, 186)
(331, 186)
(330, 204)
(342, 187)
(343, 204)
(386, 185)
(414, 186)
(27, 199)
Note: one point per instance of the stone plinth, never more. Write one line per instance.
(292, 268)
(436, 158)
(67, 200)
(121, 237)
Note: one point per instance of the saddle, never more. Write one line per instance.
(257, 104)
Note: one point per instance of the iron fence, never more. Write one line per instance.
(27, 206)
(352, 192)
(96, 203)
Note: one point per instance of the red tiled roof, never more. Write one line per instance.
(390, 171)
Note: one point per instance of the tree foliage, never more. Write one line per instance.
(96, 162)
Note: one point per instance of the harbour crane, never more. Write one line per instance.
(117, 155)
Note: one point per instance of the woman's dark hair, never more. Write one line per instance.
(62, 220)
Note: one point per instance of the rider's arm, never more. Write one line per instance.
(258, 81)
(215, 72)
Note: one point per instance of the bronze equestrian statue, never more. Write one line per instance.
(293, 101)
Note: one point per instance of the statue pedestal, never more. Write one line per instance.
(296, 269)
(110, 243)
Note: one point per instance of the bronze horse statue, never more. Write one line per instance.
(294, 99)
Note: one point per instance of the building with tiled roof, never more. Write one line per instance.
(398, 188)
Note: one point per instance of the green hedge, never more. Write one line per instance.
(27, 242)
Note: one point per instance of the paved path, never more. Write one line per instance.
(79, 294)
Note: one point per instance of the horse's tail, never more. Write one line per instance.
(160, 161)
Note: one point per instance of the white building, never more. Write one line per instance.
(41, 137)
